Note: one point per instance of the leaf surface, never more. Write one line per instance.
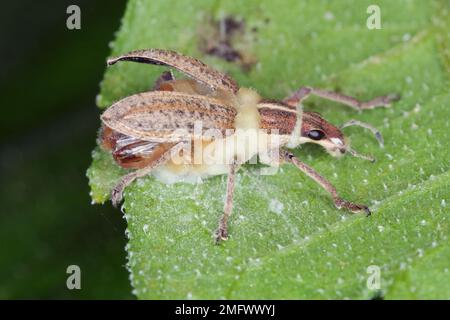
(286, 238)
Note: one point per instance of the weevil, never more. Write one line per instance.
(149, 130)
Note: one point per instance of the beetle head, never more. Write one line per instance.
(316, 129)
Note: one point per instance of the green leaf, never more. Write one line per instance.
(286, 238)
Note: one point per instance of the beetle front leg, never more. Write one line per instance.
(304, 92)
(222, 231)
(324, 183)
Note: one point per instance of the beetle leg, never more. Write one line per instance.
(324, 183)
(164, 77)
(167, 82)
(192, 67)
(126, 180)
(222, 231)
(304, 92)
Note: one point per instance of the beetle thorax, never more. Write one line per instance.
(247, 112)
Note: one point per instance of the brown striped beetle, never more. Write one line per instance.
(155, 132)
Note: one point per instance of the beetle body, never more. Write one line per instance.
(251, 126)
(190, 129)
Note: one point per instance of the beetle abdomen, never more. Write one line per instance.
(131, 153)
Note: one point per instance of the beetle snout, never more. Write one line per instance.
(337, 147)
(339, 143)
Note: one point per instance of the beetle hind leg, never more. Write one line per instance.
(126, 180)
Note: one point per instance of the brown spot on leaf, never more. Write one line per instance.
(228, 39)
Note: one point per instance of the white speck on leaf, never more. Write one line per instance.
(406, 37)
(328, 16)
(276, 206)
(420, 253)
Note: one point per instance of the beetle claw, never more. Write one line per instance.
(116, 197)
(352, 207)
(221, 234)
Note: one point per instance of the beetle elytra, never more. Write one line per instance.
(156, 131)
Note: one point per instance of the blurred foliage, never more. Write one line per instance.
(49, 80)
(286, 238)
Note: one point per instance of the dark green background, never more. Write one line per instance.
(49, 79)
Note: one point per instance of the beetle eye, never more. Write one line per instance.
(316, 134)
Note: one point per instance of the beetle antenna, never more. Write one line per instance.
(374, 130)
(359, 155)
